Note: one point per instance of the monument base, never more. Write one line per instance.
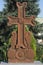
(20, 55)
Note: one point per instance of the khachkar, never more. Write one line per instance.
(20, 50)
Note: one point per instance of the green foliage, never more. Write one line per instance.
(33, 44)
(3, 53)
(37, 28)
(32, 7)
(39, 48)
(5, 34)
(33, 41)
(26, 28)
(39, 52)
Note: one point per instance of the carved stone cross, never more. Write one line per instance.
(20, 50)
(21, 20)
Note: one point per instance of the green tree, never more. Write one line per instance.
(5, 34)
(39, 46)
(32, 6)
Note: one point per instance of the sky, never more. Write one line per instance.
(40, 6)
(1, 5)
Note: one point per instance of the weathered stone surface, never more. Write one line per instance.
(21, 55)
(13, 39)
(20, 50)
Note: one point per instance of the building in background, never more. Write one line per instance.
(40, 20)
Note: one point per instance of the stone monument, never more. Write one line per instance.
(20, 50)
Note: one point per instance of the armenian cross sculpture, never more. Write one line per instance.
(22, 38)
